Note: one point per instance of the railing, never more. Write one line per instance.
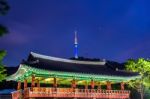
(17, 94)
(75, 93)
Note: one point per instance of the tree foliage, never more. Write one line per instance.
(3, 30)
(2, 69)
(143, 67)
(4, 7)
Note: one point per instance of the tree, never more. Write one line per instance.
(4, 7)
(143, 67)
(2, 69)
(3, 30)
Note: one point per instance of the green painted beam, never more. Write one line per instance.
(24, 72)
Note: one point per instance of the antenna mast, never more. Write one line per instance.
(76, 45)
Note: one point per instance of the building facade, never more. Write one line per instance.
(67, 78)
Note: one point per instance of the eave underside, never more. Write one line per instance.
(45, 76)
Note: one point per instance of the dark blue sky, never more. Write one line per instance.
(111, 29)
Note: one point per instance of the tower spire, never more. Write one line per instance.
(76, 45)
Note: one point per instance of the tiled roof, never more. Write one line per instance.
(58, 64)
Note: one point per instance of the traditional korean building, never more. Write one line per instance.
(67, 78)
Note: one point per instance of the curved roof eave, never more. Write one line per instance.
(24, 71)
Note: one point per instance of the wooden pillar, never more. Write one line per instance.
(25, 84)
(122, 85)
(38, 83)
(33, 81)
(99, 85)
(86, 85)
(73, 83)
(92, 84)
(108, 85)
(19, 85)
(55, 82)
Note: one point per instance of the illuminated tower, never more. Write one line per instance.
(76, 45)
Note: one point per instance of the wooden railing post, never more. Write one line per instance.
(19, 85)
(25, 84)
(38, 83)
(108, 85)
(86, 85)
(55, 83)
(92, 84)
(73, 83)
(122, 85)
(99, 85)
(33, 81)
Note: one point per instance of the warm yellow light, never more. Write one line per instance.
(81, 82)
(49, 79)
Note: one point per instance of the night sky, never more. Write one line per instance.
(108, 29)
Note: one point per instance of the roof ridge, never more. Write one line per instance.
(36, 55)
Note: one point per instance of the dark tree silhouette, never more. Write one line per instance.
(4, 7)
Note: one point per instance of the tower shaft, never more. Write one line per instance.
(76, 45)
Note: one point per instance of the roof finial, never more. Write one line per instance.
(76, 45)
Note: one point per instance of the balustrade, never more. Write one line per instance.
(70, 92)
(17, 94)
(77, 93)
